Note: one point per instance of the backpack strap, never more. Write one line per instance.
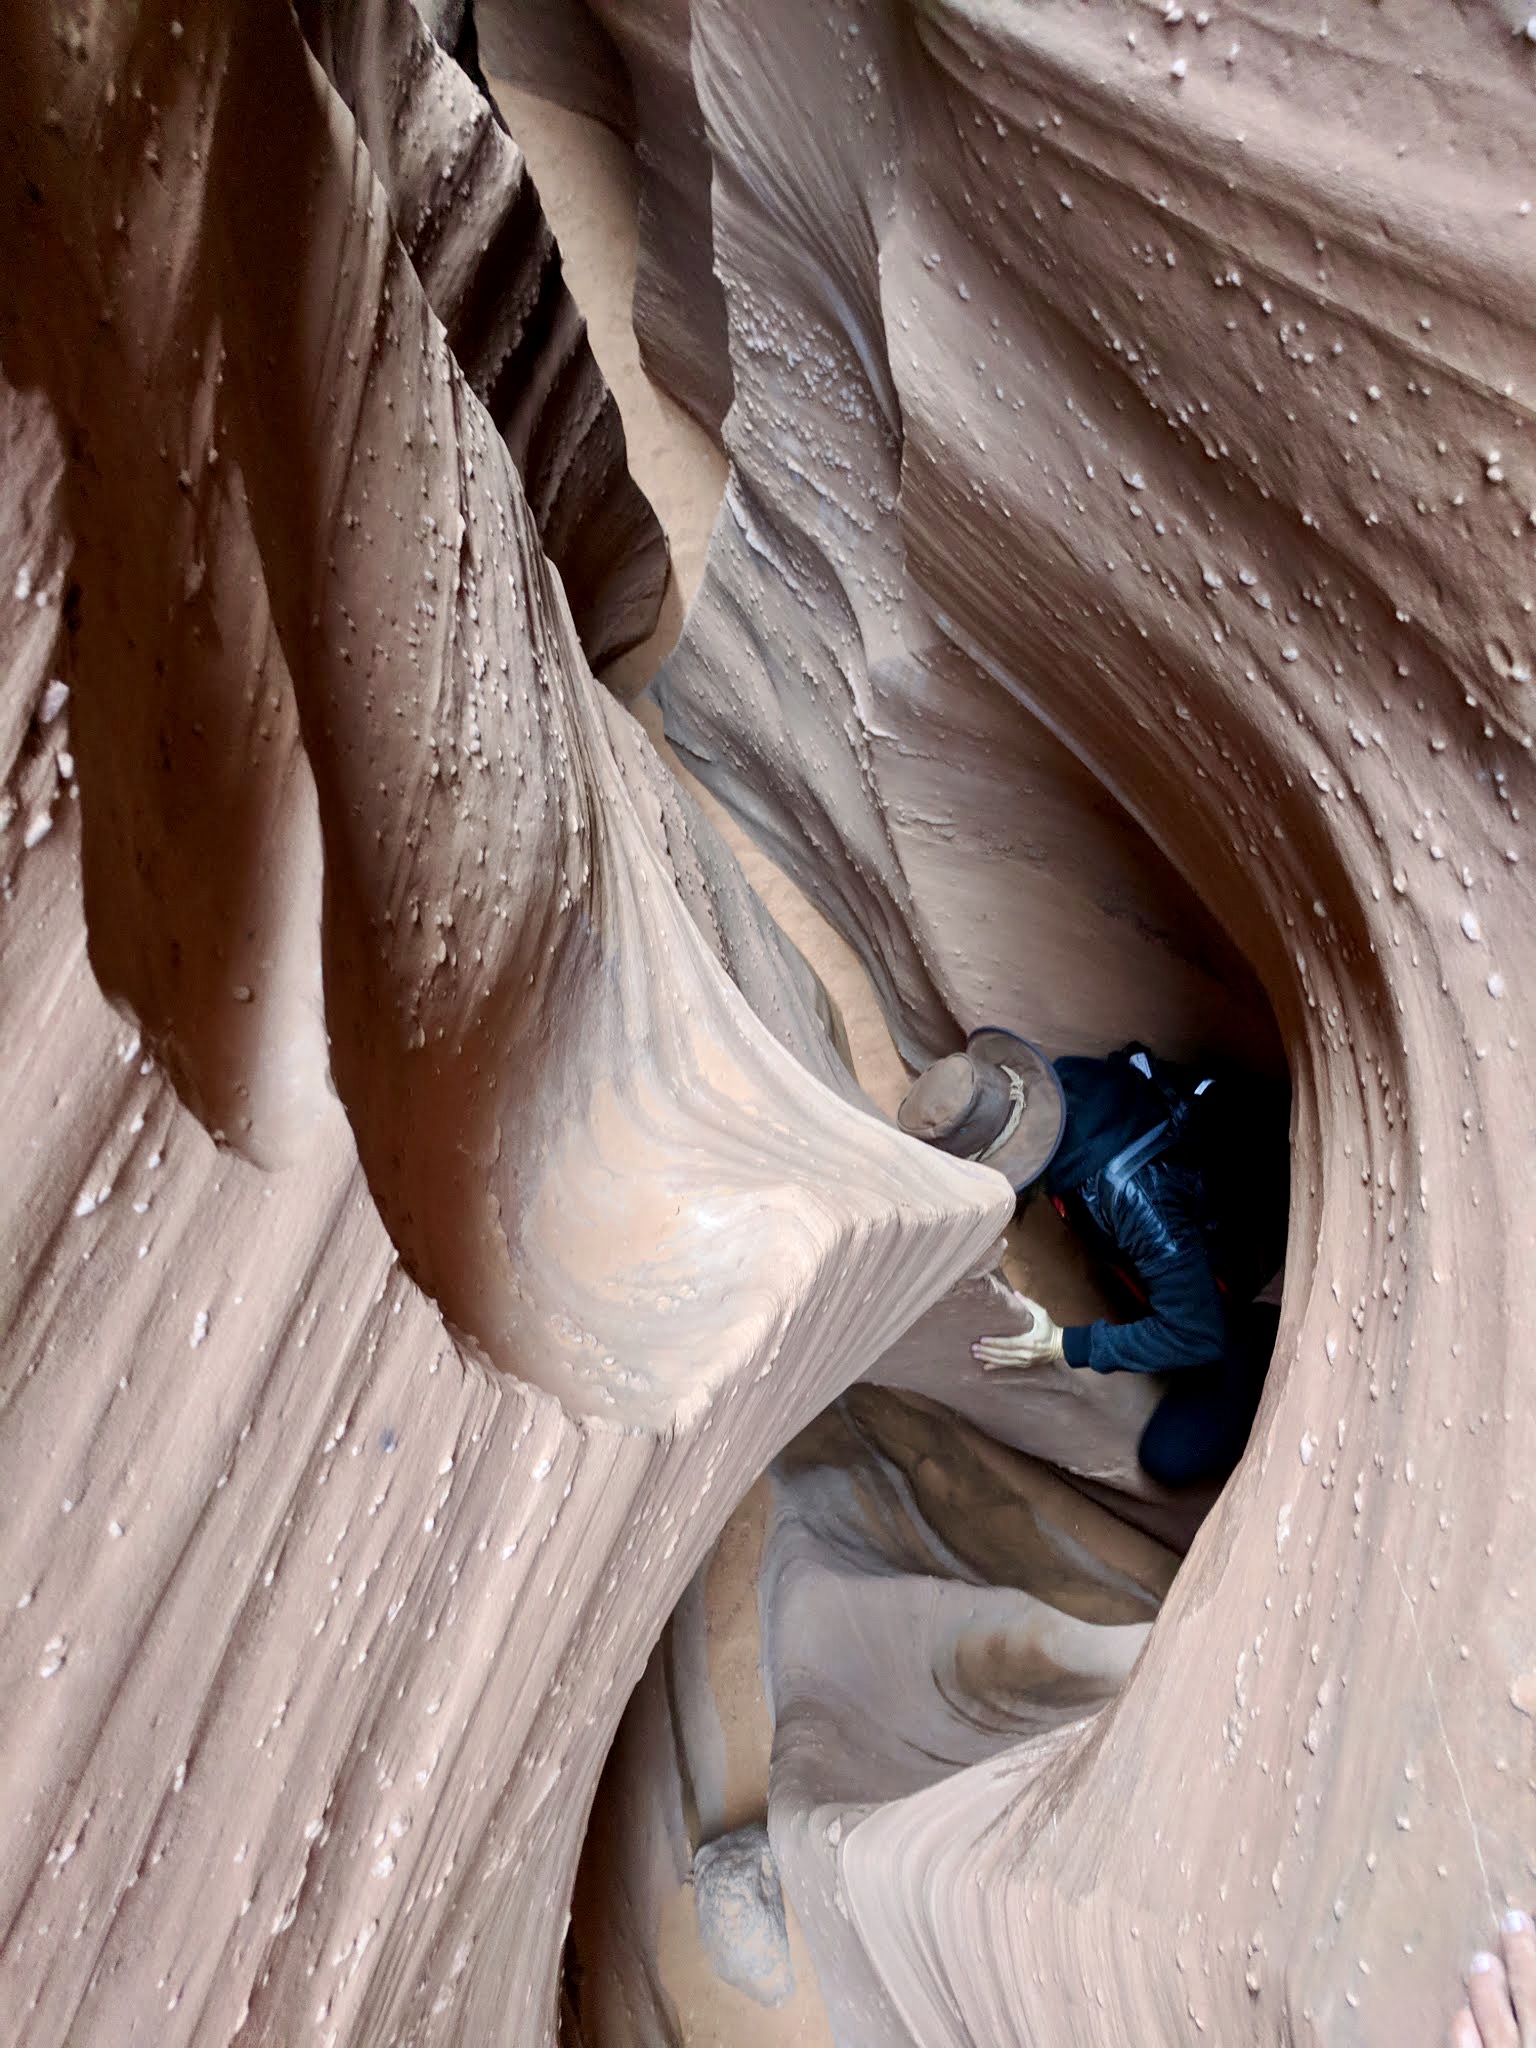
(1139, 1153)
(1127, 1164)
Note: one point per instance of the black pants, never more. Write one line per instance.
(1199, 1429)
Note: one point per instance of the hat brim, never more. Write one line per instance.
(1030, 1149)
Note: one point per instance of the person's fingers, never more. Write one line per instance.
(1463, 2033)
(1491, 2007)
(1520, 1968)
(998, 1354)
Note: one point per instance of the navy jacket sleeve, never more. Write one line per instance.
(1185, 1323)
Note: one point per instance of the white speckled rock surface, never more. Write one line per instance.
(1200, 360)
(433, 1198)
(467, 215)
(351, 1466)
(1159, 381)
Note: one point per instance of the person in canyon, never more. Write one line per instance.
(1178, 1180)
(1501, 2007)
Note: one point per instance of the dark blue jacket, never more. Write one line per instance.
(1150, 1213)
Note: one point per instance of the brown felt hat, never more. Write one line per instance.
(998, 1101)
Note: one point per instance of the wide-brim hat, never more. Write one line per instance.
(998, 1102)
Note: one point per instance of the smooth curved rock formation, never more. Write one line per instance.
(435, 1190)
(896, 1660)
(631, 67)
(1158, 383)
(469, 219)
(868, 725)
(564, 54)
(350, 1474)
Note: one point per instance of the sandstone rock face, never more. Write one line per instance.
(679, 309)
(395, 1301)
(631, 67)
(1149, 392)
(898, 1659)
(435, 1194)
(563, 54)
(468, 217)
(856, 672)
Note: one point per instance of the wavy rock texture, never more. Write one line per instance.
(925, 1597)
(468, 216)
(1162, 385)
(904, 1642)
(454, 28)
(351, 1464)
(630, 67)
(1121, 404)
(864, 717)
(564, 54)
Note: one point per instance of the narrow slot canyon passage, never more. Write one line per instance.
(915, 1593)
(727, 731)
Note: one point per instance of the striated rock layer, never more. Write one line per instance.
(415, 1241)
(434, 1197)
(862, 713)
(1151, 392)
(469, 219)
(631, 67)
(909, 1634)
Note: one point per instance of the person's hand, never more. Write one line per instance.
(1501, 2012)
(1040, 1344)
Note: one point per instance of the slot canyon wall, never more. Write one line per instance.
(437, 1192)
(1168, 371)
